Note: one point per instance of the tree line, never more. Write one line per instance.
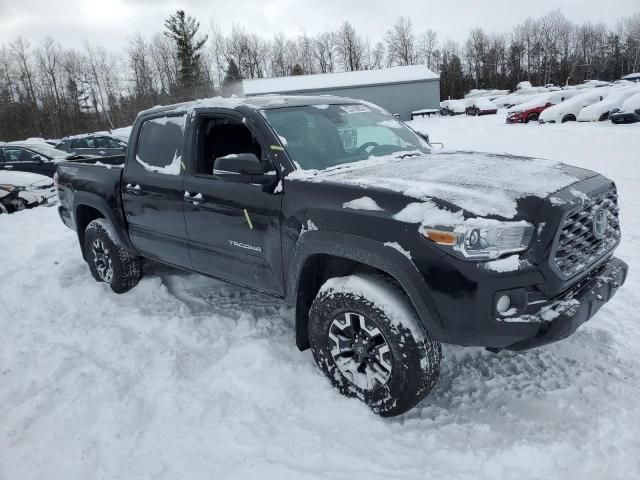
(50, 91)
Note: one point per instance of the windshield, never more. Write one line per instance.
(46, 151)
(321, 136)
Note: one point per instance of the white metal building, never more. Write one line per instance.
(400, 90)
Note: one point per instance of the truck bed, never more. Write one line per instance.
(96, 177)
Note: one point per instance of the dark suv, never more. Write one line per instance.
(101, 145)
(383, 248)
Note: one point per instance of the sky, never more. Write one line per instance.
(110, 23)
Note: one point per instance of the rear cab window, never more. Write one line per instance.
(160, 143)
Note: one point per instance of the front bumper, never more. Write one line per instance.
(563, 315)
(626, 117)
(515, 119)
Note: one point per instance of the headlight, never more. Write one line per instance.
(11, 188)
(483, 239)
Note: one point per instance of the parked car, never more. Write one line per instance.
(452, 107)
(31, 157)
(599, 112)
(530, 110)
(20, 190)
(568, 110)
(629, 112)
(93, 144)
(513, 99)
(480, 106)
(383, 258)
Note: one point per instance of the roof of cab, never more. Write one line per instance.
(262, 102)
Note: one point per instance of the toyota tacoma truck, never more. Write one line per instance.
(384, 248)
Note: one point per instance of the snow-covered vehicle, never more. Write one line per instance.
(102, 144)
(629, 111)
(490, 94)
(480, 106)
(632, 77)
(383, 248)
(20, 190)
(599, 112)
(530, 110)
(452, 107)
(568, 110)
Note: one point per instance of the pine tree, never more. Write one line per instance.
(182, 29)
(232, 79)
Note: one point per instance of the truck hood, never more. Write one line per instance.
(482, 184)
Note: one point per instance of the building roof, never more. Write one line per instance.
(321, 81)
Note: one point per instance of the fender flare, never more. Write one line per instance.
(94, 201)
(368, 252)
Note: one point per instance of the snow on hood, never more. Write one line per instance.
(22, 179)
(480, 183)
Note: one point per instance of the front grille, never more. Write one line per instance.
(578, 247)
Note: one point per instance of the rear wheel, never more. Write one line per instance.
(568, 118)
(603, 117)
(369, 343)
(532, 117)
(108, 261)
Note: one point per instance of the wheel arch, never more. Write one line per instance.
(321, 255)
(88, 207)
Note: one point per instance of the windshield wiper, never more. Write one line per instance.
(408, 154)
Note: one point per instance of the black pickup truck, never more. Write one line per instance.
(384, 248)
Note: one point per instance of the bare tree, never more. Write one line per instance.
(325, 51)
(349, 47)
(401, 43)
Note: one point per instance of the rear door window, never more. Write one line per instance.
(82, 143)
(160, 142)
(106, 142)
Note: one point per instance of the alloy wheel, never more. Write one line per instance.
(360, 351)
(102, 260)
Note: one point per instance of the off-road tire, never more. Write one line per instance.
(415, 355)
(126, 267)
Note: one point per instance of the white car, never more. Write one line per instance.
(20, 190)
(452, 107)
(568, 110)
(598, 112)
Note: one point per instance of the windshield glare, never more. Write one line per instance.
(321, 136)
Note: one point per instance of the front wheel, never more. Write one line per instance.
(108, 261)
(368, 341)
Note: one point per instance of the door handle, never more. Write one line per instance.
(133, 188)
(196, 198)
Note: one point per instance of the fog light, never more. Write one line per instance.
(503, 304)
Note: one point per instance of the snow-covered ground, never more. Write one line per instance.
(189, 378)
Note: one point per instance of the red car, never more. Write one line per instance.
(528, 115)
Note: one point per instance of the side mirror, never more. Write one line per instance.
(37, 158)
(241, 167)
